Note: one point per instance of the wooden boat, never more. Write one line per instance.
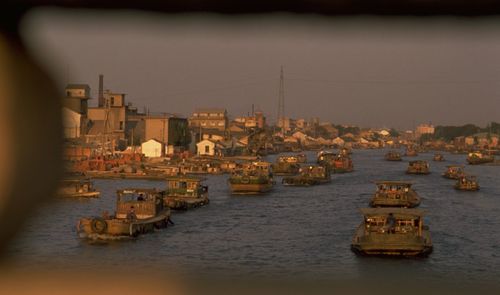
(438, 158)
(467, 183)
(325, 157)
(393, 156)
(395, 194)
(301, 158)
(411, 152)
(477, 158)
(454, 171)
(184, 193)
(254, 178)
(342, 164)
(392, 232)
(138, 211)
(286, 165)
(418, 167)
(309, 175)
(77, 188)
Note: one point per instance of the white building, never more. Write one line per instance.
(153, 148)
(206, 147)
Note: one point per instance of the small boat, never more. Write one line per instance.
(392, 232)
(438, 158)
(411, 152)
(254, 178)
(325, 157)
(301, 158)
(418, 167)
(454, 172)
(477, 158)
(138, 211)
(395, 194)
(184, 193)
(309, 175)
(467, 183)
(77, 188)
(286, 165)
(393, 156)
(342, 164)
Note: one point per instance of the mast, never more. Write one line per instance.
(281, 103)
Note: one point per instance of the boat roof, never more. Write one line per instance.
(136, 190)
(461, 166)
(400, 182)
(417, 161)
(403, 212)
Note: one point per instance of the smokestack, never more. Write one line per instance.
(101, 90)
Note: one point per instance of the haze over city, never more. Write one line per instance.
(366, 72)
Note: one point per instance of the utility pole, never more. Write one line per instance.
(281, 103)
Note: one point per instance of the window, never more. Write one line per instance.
(121, 125)
(112, 101)
(207, 149)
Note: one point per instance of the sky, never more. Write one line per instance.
(365, 71)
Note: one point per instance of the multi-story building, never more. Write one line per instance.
(424, 129)
(75, 110)
(258, 120)
(209, 119)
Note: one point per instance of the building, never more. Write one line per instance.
(109, 117)
(209, 119)
(424, 129)
(206, 147)
(72, 123)
(257, 120)
(153, 148)
(77, 96)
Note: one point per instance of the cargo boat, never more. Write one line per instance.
(392, 232)
(477, 158)
(438, 158)
(342, 164)
(138, 211)
(467, 183)
(393, 156)
(454, 172)
(395, 194)
(286, 165)
(185, 193)
(254, 178)
(309, 175)
(418, 167)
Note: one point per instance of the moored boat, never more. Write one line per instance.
(184, 193)
(418, 167)
(309, 175)
(477, 158)
(77, 188)
(342, 164)
(138, 211)
(411, 152)
(467, 183)
(454, 172)
(395, 194)
(392, 232)
(393, 156)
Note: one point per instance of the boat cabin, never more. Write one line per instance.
(393, 221)
(146, 203)
(185, 187)
(454, 171)
(467, 183)
(393, 187)
(418, 167)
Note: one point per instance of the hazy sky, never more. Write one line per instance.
(364, 71)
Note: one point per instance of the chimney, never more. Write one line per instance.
(101, 90)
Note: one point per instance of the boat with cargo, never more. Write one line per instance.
(393, 156)
(254, 178)
(467, 183)
(438, 158)
(138, 211)
(454, 171)
(309, 175)
(392, 232)
(395, 194)
(286, 165)
(77, 188)
(185, 193)
(478, 157)
(418, 167)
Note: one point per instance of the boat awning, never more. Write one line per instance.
(398, 212)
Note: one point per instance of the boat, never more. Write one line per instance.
(342, 164)
(411, 152)
(138, 211)
(345, 151)
(301, 158)
(418, 167)
(477, 158)
(467, 183)
(395, 194)
(393, 156)
(392, 232)
(184, 193)
(438, 158)
(254, 178)
(309, 175)
(286, 165)
(77, 188)
(325, 157)
(454, 172)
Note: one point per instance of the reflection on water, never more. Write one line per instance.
(303, 232)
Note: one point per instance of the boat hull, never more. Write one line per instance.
(185, 203)
(81, 195)
(250, 188)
